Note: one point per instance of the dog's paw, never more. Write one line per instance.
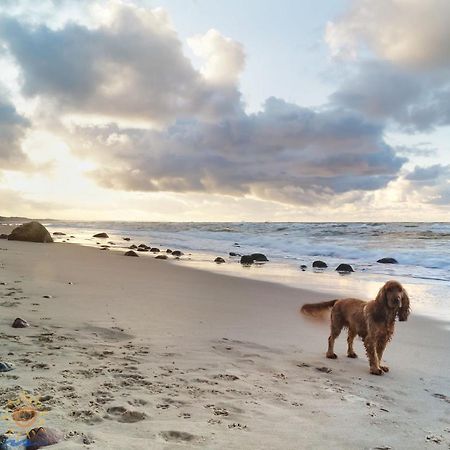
(352, 355)
(331, 355)
(376, 371)
(384, 368)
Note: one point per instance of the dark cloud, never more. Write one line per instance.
(285, 153)
(384, 92)
(131, 68)
(12, 130)
(429, 174)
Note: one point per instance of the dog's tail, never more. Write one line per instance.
(317, 309)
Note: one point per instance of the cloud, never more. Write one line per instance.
(168, 127)
(284, 153)
(416, 102)
(400, 61)
(433, 182)
(130, 67)
(409, 33)
(224, 58)
(12, 131)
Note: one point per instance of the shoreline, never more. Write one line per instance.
(138, 353)
(431, 294)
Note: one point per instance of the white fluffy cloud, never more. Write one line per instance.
(399, 55)
(224, 58)
(412, 33)
(131, 67)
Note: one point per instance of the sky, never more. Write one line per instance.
(213, 110)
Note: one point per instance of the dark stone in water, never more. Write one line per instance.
(101, 235)
(303, 267)
(259, 257)
(177, 253)
(344, 268)
(143, 246)
(131, 253)
(247, 259)
(387, 261)
(319, 264)
(234, 254)
(127, 239)
(59, 233)
(142, 249)
(154, 250)
(219, 260)
(20, 323)
(161, 257)
(168, 250)
(132, 247)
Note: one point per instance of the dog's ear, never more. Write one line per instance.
(404, 311)
(379, 310)
(381, 298)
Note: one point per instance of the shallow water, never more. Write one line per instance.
(422, 250)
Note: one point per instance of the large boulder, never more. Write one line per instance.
(387, 261)
(31, 232)
(177, 253)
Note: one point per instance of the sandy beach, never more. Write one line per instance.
(133, 353)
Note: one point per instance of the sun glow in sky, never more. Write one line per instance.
(226, 110)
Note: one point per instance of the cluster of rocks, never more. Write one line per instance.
(321, 265)
(145, 248)
(343, 267)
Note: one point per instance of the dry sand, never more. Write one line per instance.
(136, 353)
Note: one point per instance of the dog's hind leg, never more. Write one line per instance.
(336, 328)
(351, 337)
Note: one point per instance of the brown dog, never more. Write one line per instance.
(373, 321)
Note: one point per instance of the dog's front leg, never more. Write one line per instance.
(371, 350)
(381, 345)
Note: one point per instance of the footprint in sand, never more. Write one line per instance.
(178, 436)
(124, 415)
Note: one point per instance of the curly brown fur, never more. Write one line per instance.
(373, 321)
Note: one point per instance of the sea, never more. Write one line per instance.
(421, 249)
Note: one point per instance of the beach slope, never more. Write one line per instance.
(136, 353)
